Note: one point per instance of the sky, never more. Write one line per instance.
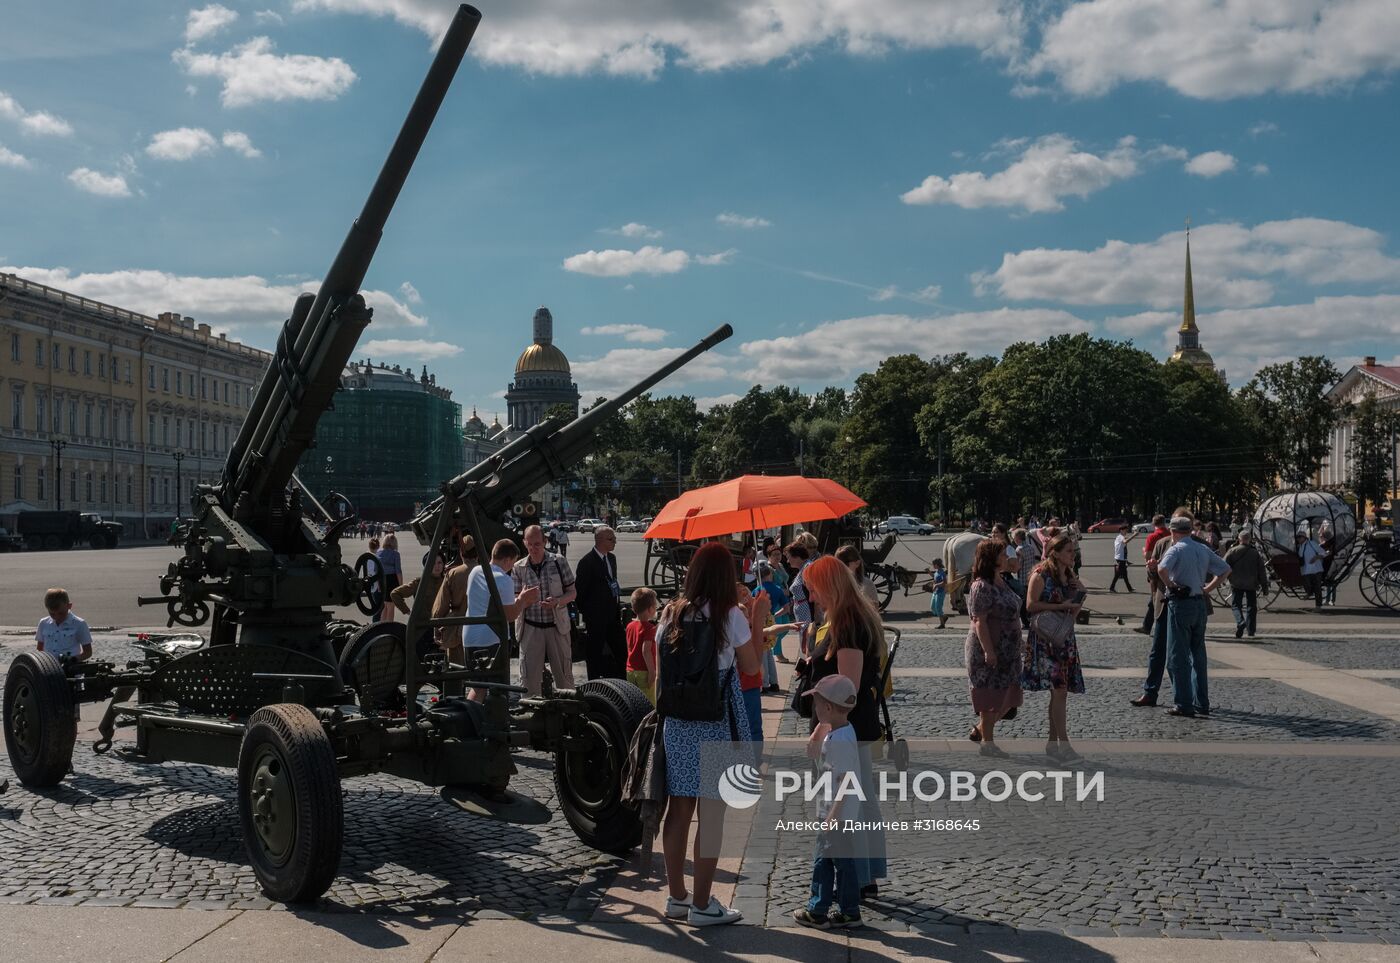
(840, 180)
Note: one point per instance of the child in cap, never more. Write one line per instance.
(833, 742)
(61, 633)
(641, 643)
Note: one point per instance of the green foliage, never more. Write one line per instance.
(879, 452)
(1288, 411)
(1369, 452)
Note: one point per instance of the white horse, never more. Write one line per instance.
(958, 552)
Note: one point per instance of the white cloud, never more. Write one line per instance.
(39, 123)
(707, 402)
(267, 16)
(1048, 170)
(207, 21)
(1263, 127)
(104, 185)
(410, 293)
(621, 368)
(1259, 170)
(415, 350)
(616, 263)
(623, 37)
(628, 332)
(249, 303)
(9, 158)
(241, 143)
(1232, 265)
(1212, 163)
(181, 144)
(730, 219)
(925, 295)
(719, 257)
(834, 352)
(633, 229)
(1216, 49)
(252, 72)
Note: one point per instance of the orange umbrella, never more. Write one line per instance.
(752, 502)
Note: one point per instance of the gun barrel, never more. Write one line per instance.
(319, 339)
(542, 453)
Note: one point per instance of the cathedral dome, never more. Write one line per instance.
(542, 358)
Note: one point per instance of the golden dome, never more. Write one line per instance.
(542, 357)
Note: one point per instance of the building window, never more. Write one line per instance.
(179, 382)
(102, 488)
(102, 424)
(87, 362)
(202, 385)
(17, 409)
(88, 486)
(128, 371)
(179, 424)
(165, 430)
(72, 359)
(39, 485)
(73, 419)
(102, 366)
(38, 352)
(202, 439)
(216, 388)
(225, 392)
(165, 491)
(189, 435)
(129, 499)
(57, 415)
(73, 485)
(151, 430)
(19, 481)
(151, 376)
(165, 379)
(87, 421)
(128, 430)
(225, 448)
(14, 352)
(153, 491)
(39, 412)
(57, 356)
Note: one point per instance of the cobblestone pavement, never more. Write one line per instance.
(944, 650)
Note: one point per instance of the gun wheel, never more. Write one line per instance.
(589, 781)
(289, 803)
(40, 728)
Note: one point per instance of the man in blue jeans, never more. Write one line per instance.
(1188, 570)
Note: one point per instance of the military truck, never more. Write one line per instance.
(296, 700)
(53, 530)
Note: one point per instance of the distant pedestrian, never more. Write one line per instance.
(1189, 570)
(1213, 536)
(1159, 532)
(939, 587)
(392, 567)
(1249, 575)
(992, 649)
(561, 540)
(1310, 568)
(1050, 664)
(1120, 559)
(780, 612)
(803, 610)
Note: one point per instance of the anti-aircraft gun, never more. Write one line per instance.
(296, 701)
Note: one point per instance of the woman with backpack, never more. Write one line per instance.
(849, 642)
(707, 637)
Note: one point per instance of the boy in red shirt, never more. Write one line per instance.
(641, 643)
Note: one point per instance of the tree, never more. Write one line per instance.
(1288, 410)
(880, 453)
(1369, 451)
(756, 435)
(947, 418)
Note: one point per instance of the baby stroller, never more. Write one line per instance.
(895, 750)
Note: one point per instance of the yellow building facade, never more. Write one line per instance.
(106, 410)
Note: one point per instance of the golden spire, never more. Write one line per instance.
(1188, 303)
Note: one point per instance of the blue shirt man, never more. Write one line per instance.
(1188, 570)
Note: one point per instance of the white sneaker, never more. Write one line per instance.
(677, 909)
(716, 914)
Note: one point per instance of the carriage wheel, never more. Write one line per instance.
(1272, 596)
(1366, 581)
(1388, 586)
(884, 588)
(1224, 595)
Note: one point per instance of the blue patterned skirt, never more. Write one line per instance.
(683, 737)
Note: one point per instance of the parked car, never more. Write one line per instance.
(10, 542)
(1110, 525)
(586, 524)
(1144, 528)
(905, 525)
(630, 525)
(564, 525)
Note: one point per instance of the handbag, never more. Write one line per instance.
(1054, 627)
(801, 682)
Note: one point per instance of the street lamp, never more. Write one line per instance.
(179, 489)
(58, 447)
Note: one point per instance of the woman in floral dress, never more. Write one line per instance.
(1055, 588)
(992, 651)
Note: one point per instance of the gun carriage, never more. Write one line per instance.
(295, 700)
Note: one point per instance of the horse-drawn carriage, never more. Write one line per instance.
(1322, 516)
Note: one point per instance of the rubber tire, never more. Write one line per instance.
(320, 819)
(57, 727)
(619, 707)
(34, 543)
(111, 542)
(97, 541)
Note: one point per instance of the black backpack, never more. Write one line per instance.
(688, 684)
